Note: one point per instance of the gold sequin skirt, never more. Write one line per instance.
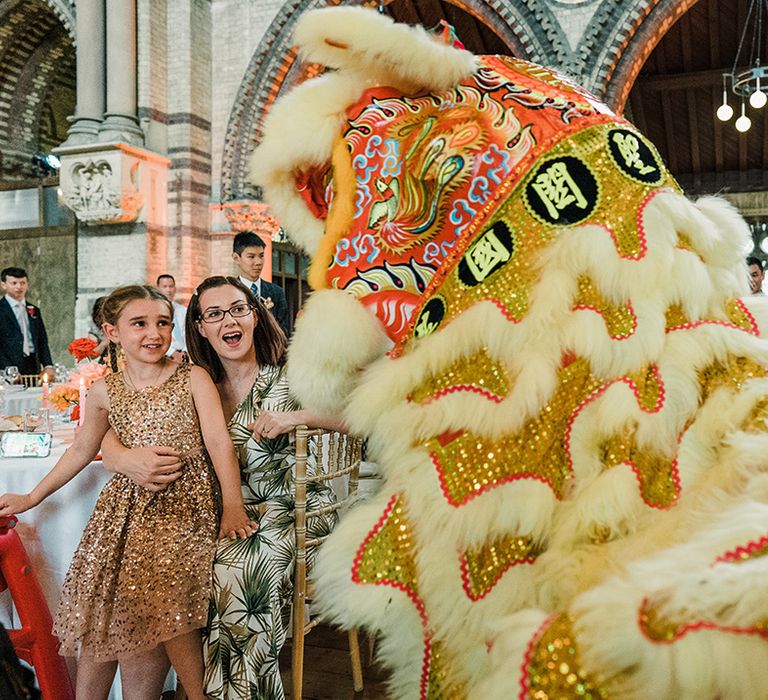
(141, 573)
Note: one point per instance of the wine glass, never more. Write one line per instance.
(12, 374)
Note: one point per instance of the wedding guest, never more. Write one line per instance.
(248, 253)
(138, 585)
(234, 338)
(167, 285)
(756, 275)
(23, 339)
(96, 330)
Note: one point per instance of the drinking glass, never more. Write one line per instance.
(12, 374)
(37, 420)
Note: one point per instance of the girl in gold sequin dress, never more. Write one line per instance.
(139, 583)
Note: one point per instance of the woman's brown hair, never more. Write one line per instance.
(113, 305)
(269, 341)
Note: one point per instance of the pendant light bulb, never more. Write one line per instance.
(743, 122)
(758, 98)
(724, 111)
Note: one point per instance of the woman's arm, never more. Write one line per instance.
(152, 467)
(270, 424)
(234, 521)
(74, 460)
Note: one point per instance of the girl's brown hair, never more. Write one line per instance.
(269, 341)
(113, 306)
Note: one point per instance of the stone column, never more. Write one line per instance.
(121, 123)
(90, 74)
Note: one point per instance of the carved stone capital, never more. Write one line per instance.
(110, 183)
(245, 215)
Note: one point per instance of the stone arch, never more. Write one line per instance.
(37, 82)
(270, 67)
(619, 40)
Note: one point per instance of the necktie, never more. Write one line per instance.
(255, 290)
(21, 317)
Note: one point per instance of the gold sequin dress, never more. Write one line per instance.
(141, 574)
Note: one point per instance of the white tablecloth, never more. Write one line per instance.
(51, 531)
(16, 402)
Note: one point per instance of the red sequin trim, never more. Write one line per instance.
(525, 689)
(424, 682)
(743, 552)
(635, 389)
(753, 330)
(624, 336)
(462, 388)
(695, 627)
(488, 487)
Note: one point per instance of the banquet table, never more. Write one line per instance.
(51, 531)
(19, 400)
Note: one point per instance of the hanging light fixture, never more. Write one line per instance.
(749, 83)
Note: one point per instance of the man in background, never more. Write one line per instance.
(23, 340)
(167, 285)
(248, 253)
(756, 274)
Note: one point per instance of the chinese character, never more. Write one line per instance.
(486, 255)
(557, 189)
(424, 327)
(629, 148)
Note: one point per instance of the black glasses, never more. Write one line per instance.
(216, 315)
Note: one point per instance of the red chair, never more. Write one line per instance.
(34, 642)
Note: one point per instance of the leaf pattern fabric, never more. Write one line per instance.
(252, 586)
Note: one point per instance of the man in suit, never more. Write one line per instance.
(167, 285)
(23, 340)
(248, 253)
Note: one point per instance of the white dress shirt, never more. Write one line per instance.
(178, 339)
(20, 311)
(248, 283)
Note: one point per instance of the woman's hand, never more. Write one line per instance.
(152, 467)
(270, 424)
(15, 503)
(235, 524)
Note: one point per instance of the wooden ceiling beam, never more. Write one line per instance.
(690, 98)
(685, 81)
(718, 127)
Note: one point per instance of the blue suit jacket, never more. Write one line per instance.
(280, 309)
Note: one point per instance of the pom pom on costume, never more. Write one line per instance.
(570, 411)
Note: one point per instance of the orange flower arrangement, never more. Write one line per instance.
(83, 349)
(66, 396)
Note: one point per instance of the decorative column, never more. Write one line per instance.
(90, 74)
(121, 125)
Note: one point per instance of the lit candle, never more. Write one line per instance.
(45, 389)
(82, 402)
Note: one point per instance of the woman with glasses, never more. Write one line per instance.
(232, 335)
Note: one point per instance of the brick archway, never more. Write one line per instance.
(37, 81)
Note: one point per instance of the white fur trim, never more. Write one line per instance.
(334, 338)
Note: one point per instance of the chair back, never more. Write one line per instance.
(338, 457)
(29, 380)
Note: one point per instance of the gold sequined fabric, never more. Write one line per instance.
(141, 574)
(552, 668)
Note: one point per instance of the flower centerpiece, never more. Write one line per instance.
(83, 349)
(66, 396)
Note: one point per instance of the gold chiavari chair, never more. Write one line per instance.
(30, 380)
(338, 456)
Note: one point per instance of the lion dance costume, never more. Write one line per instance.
(543, 341)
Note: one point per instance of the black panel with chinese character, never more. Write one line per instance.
(562, 191)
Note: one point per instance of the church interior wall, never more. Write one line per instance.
(49, 257)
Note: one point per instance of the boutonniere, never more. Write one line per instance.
(267, 301)
(31, 312)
